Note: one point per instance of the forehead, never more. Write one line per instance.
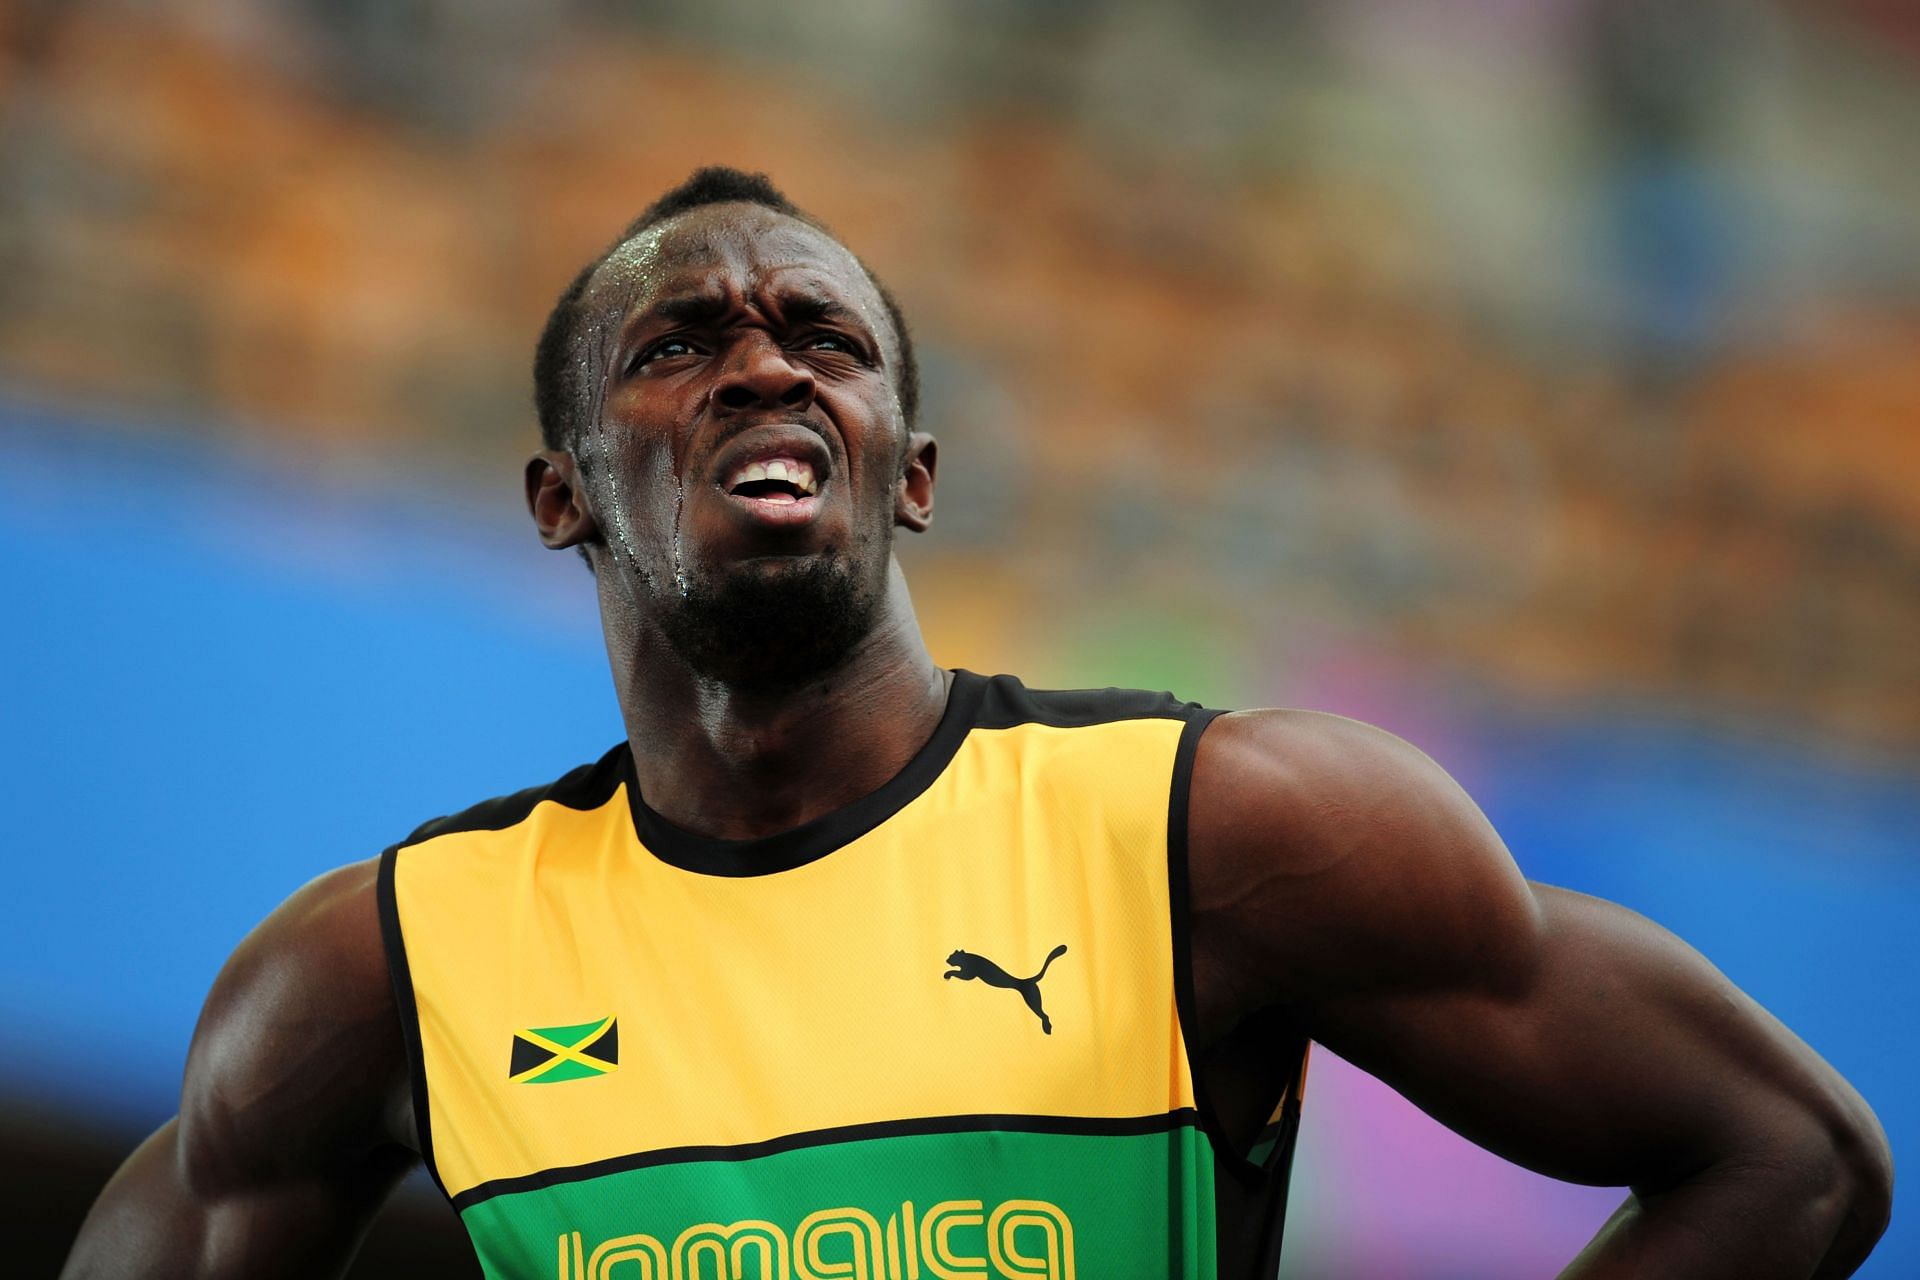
(732, 248)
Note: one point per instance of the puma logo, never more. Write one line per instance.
(967, 965)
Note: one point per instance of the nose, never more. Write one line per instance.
(761, 376)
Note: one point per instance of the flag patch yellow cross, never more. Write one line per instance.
(551, 1055)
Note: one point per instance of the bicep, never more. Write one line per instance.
(1616, 1056)
(1341, 874)
(290, 1133)
(152, 1219)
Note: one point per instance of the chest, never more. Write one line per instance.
(580, 1001)
(903, 982)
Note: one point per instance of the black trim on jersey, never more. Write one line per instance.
(1233, 1161)
(975, 702)
(1280, 1169)
(402, 978)
(1008, 704)
(810, 841)
(1096, 1126)
(585, 788)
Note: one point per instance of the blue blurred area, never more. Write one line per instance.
(222, 683)
(225, 678)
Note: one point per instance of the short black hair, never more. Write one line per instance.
(559, 382)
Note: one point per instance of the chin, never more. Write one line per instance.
(774, 620)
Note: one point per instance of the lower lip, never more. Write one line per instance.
(778, 513)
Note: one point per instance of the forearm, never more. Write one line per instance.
(141, 1222)
(1756, 1222)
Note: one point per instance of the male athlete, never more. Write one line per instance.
(845, 965)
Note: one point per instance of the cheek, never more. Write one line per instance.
(879, 478)
(635, 490)
(646, 414)
(881, 452)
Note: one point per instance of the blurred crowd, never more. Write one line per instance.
(1570, 345)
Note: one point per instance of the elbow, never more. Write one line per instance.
(1822, 1178)
(1865, 1163)
(1846, 1175)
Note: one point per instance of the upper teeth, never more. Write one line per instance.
(797, 474)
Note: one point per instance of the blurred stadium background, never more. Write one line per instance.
(1537, 378)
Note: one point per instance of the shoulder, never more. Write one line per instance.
(587, 786)
(1326, 855)
(1312, 774)
(1100, 755)
(318, 958)
(297, 1057)
(1005, 702)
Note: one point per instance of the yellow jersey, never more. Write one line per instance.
(940, 1032)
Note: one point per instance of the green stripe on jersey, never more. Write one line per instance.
(991, 1205)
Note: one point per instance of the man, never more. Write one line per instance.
(842, 964)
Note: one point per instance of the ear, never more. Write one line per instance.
(913, 495)
(554, 498)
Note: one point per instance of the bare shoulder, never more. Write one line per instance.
(298, 1060)
(1326, 855)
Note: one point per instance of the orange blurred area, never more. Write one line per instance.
(1250, 367)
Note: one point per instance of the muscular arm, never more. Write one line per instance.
(1340, 874)
(293, 1114)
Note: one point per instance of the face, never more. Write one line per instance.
(744, 460)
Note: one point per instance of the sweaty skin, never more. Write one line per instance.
(1343, 888)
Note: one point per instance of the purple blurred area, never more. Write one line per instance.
(1536, 380)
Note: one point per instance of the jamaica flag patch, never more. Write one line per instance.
(549, 1055)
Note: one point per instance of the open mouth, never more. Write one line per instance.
(781, 481)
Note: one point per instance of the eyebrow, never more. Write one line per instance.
(806, 308)
(693, 308)
(817, 307)
(705, 308)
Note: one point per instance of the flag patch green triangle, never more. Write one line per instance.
(553, 1055)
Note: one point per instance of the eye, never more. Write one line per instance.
(664, 349)
(833, 342)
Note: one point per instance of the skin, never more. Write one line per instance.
(1343, 888)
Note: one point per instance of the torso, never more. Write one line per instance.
(951, 1042)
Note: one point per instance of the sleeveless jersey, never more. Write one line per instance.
(939, 1033)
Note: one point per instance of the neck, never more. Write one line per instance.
(738, 764)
